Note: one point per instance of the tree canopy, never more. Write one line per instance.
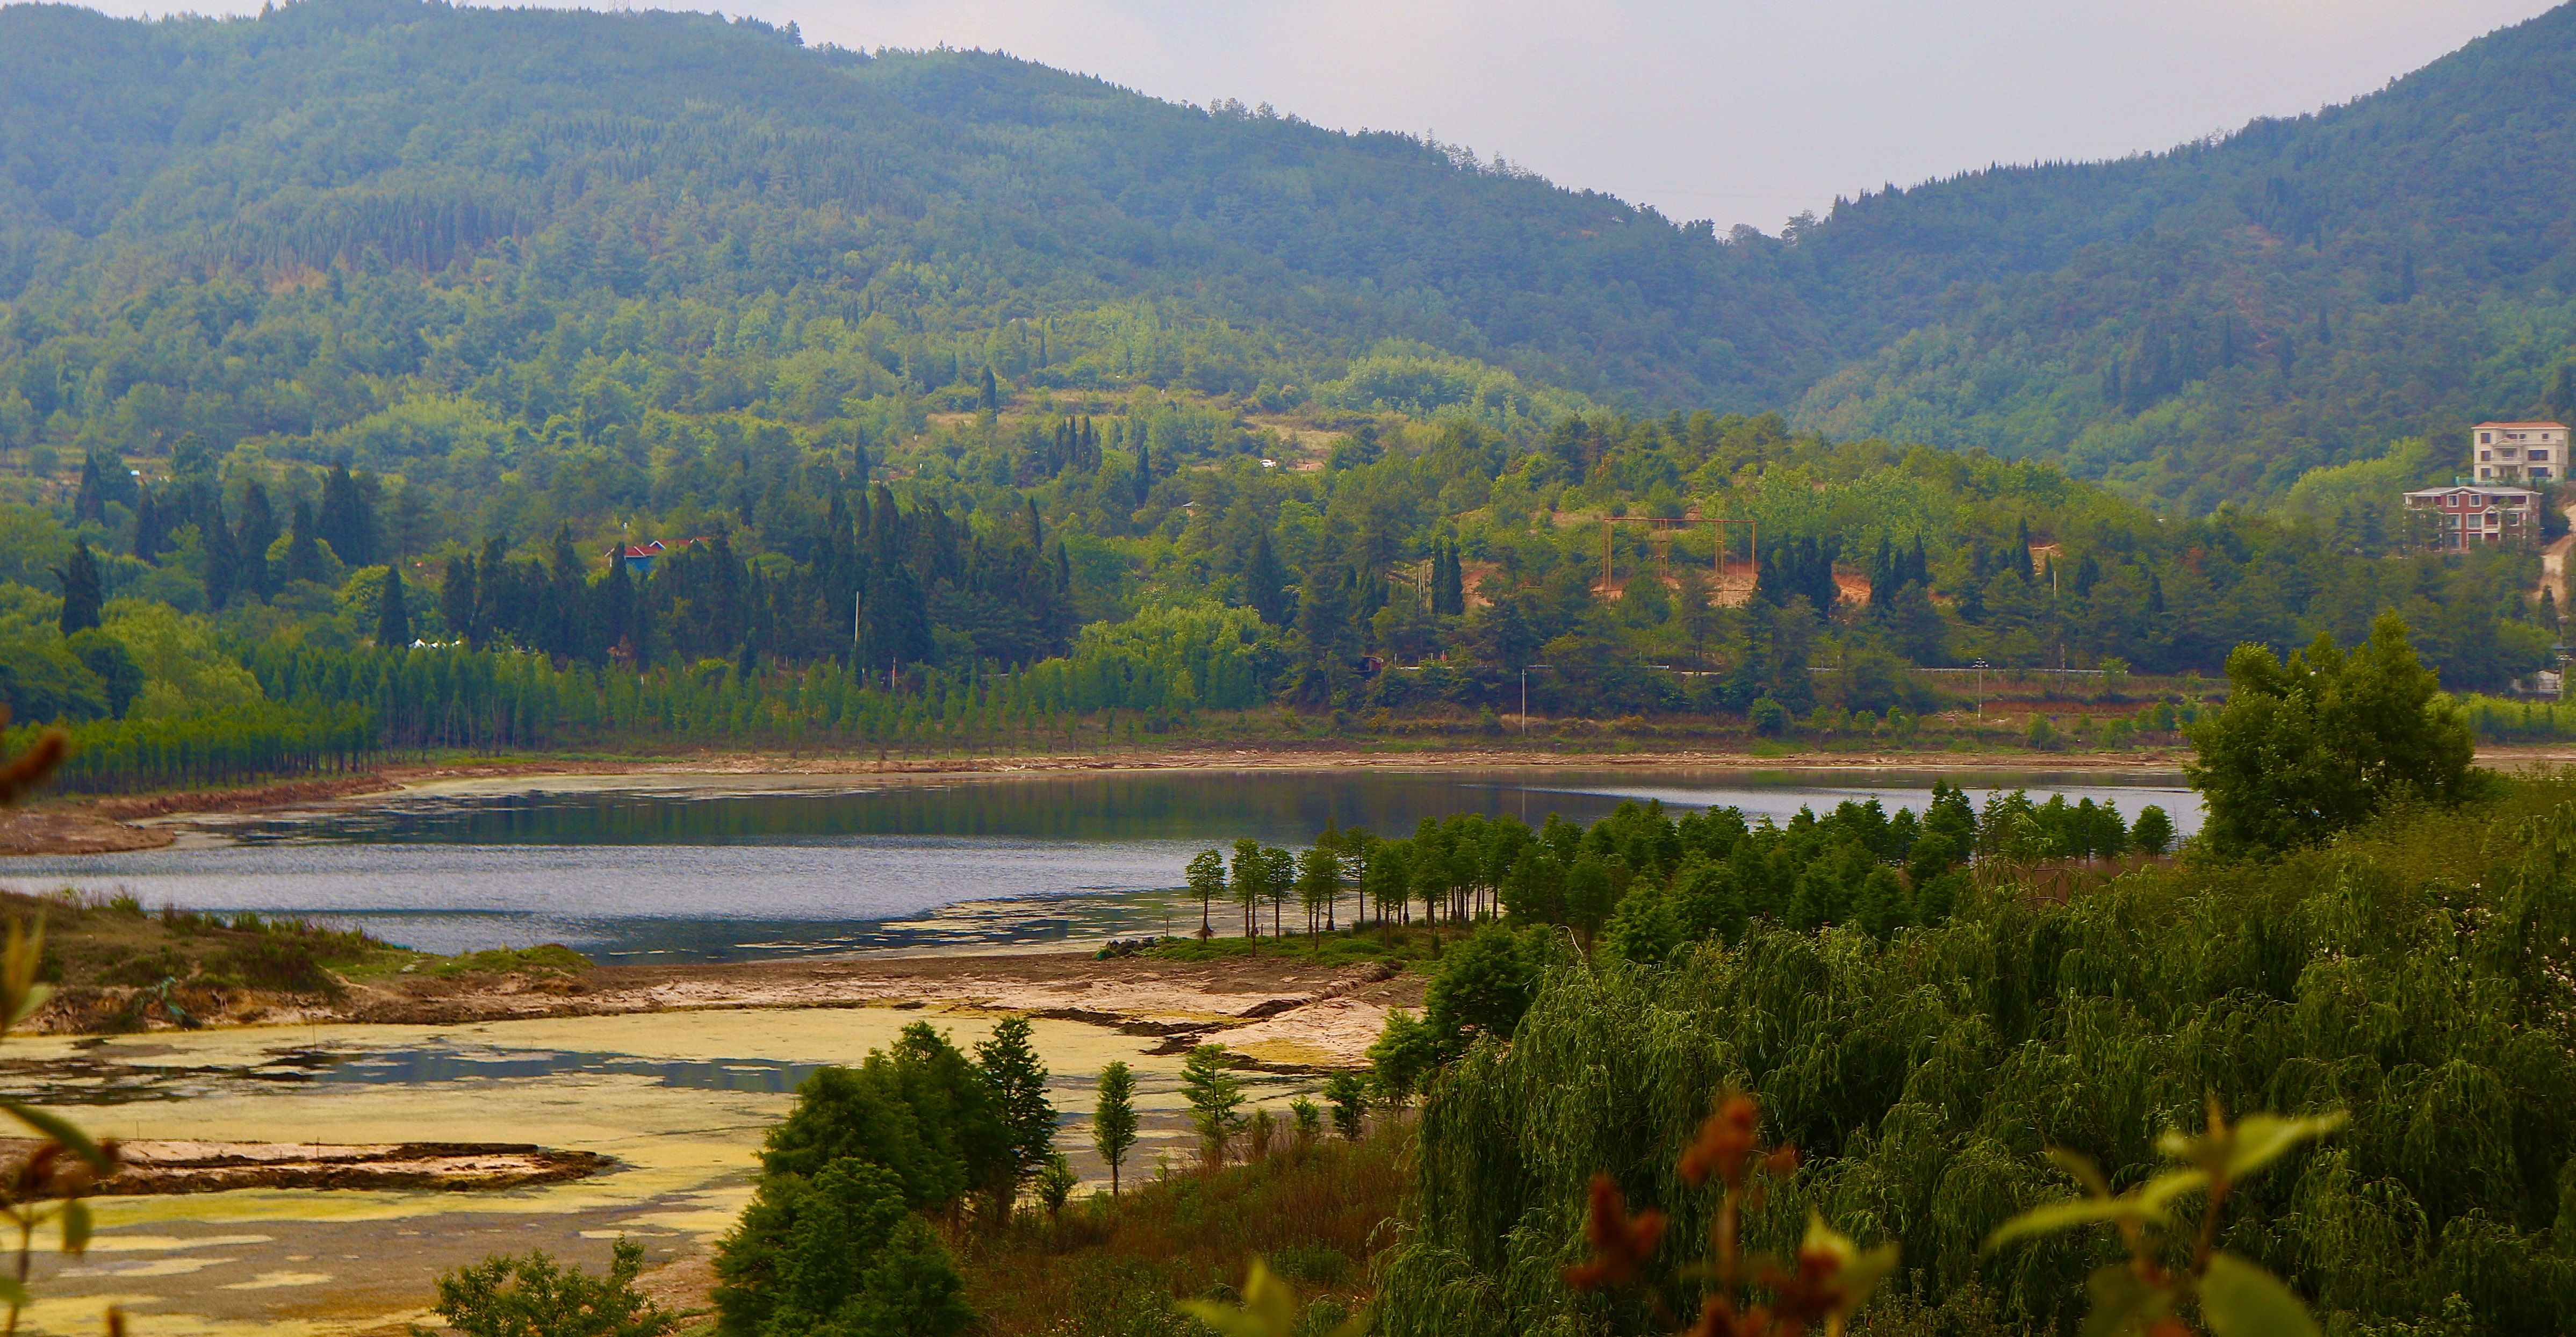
(2325, 741)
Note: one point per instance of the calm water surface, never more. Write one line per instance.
(642, 869)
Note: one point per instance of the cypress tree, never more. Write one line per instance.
(457, 599)
(1144, 470)
(303, 547)
(81, 594)
(253, 536)
(147, 527)
(348, 519)
(90, 503)
(1265, 582)
(393, 621)
(222, 563)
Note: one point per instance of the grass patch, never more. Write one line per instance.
(1112, 1269)
(549, 959)
(1399, 946)
(113, 942)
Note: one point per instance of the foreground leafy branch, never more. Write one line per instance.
(1820, 1288)
(49, 1185)
(2146, 1294)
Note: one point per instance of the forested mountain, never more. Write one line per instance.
(2196, 325)
(664, 153)
(2206, 324)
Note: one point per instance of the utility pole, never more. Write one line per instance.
(1981, 688)
(1525, 670)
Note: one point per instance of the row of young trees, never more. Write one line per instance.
(1655, 882)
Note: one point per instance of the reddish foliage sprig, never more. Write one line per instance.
(20, 775)
(1622, 1245)
(1818, 1288)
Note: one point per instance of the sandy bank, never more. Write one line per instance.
(1280, 1013)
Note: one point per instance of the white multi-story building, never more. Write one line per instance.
(2518, 452)
(2471, 514)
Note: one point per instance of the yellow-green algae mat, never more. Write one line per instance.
(303, 1261)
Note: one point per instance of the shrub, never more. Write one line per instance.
(839, 1253)
(271, 961)
(509, 1296)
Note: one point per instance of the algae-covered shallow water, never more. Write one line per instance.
(643, 1089)
(729, 867)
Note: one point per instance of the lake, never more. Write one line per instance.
(709, 868)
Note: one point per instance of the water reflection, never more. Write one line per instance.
(655, 872)
(415, 1067)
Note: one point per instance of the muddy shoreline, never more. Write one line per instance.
(65, 825)
(1277, 1013)
(76, 826)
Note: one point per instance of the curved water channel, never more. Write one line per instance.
(642, 868)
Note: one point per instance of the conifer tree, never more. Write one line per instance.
(253, 536)
(457, 599)
(303, 546)
(1113, 1119)
(1017, 1082)
(1215, 1099)
(81, 593)
(393, 621)
(222, 574)
(1265, 582)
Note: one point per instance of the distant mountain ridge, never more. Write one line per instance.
(2197, 326)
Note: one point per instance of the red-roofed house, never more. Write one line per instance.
(2471, 515)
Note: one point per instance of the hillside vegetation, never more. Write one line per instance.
(220, 226)
(981, 402)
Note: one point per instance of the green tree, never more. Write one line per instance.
(1113, 1119)
(509, 1296)
(1590, 895)
(393, 621)
(1265, 582)
(82, 595)
(2153, 832)
(1206, 875)
(1215, 1099)
(1055, 1182)
(1307, 1118)
(1278, 881)
(1483, 987)
(119, 676)
(1404, 1052)
(1319, 884)
(1018, 1082)
(1249, 884)
(1347, 1094)
(2322, 742)
(837, 1254)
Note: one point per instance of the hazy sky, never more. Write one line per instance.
(1738, 111)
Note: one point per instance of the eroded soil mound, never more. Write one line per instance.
(152, 1168)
